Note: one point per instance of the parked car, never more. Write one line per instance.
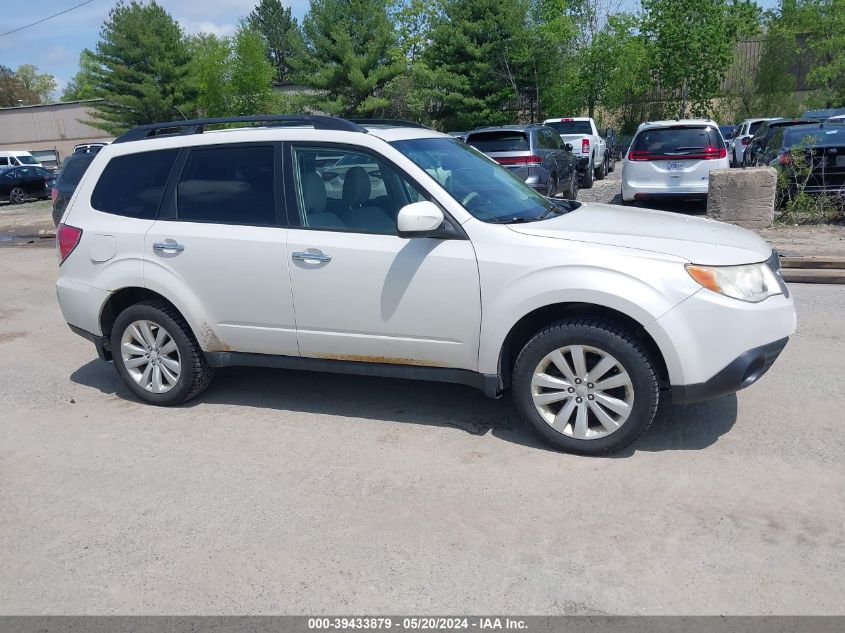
(88, 148)
(743, 136)
(17, 158)
(764, 133)
(612, 150)
(47, 158)
(672, 159)
(533, 153)
(589, 146)
(823, 114)
(812, 156)
(19, 184)
(170, 262)
(65, 184)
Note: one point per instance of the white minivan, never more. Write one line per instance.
(672, 159)
(17, 158)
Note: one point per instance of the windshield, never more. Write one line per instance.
(503, 141)
(489, 192)
(571, 127)
(72, 173)
(27, 160)
(677, 140)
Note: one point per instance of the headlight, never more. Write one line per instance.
(750, 282)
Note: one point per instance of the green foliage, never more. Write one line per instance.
(350, 54)
(82, 84)
(42, 85)
(280, 33)
(142, 66)
(231, 76)
(693, 43)
(473, 47)
(795, 204)
(12, 91)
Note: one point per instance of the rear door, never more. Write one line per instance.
(219, 240)
(677, 156)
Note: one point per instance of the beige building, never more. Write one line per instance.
(51, 126)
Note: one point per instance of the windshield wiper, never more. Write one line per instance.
(512, 220)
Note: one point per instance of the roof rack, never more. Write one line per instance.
(197, 126)
(390, 122)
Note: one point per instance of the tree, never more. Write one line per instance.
(693, 43)
(350, 54)
(473, 45)
(230, 76)
(825, 40)
(42, 85)
(81, 85)
(141, 68)
(12, 91)
(274, 23)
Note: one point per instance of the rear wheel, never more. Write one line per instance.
(587, 178)
(612, 164)
(552, 187)
(573, 185)
(586, 386)
(156, 354)
(17, 195)
(601, 172)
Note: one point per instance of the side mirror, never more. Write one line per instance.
(418, 219)
(568, 146)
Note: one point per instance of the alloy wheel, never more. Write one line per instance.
(582, 392)
(17, 195)
(151, 356)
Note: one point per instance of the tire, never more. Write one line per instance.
(634, 403)
(587, 179)
(612, 165)
(601, 172)
(551, 191)
(573, 185)
(194, 372)
(17, 195)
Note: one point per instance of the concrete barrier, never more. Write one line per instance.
(745, 197)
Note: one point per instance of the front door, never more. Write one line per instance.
(361, 292)
(220, 238)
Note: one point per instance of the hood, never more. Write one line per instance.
(697, 240)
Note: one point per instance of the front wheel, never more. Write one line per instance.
(587, 178)
(573, 185)
(17, 195)
(601, 172)
(586, 386)
(156, 354)
(612, 164)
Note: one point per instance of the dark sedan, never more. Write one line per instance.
(70, 175)
(19, 184)
(811, 156)
(765, 132)
(533, 153)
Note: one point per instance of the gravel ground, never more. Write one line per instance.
(301, 493)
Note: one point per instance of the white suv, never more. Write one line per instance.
(673, 159)
(314, 243)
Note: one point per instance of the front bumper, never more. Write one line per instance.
(742, 372)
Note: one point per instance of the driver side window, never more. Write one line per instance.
(339, 189)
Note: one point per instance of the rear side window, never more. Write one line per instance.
(571, 127)
(504, 141)
(4, 160)
(132, 185)
(677, 140)
(228, 185)
(73, 171)
(754, 127)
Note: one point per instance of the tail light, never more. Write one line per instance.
(585, 146)
(519, 160)
(708, 153)
(54, 193)
(67, 237)
(746, 140)
(785, 158)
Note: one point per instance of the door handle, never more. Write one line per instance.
(160, 247)
(301, 256)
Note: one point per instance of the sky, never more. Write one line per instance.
(54, 45)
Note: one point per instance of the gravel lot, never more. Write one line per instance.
(279, 492)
